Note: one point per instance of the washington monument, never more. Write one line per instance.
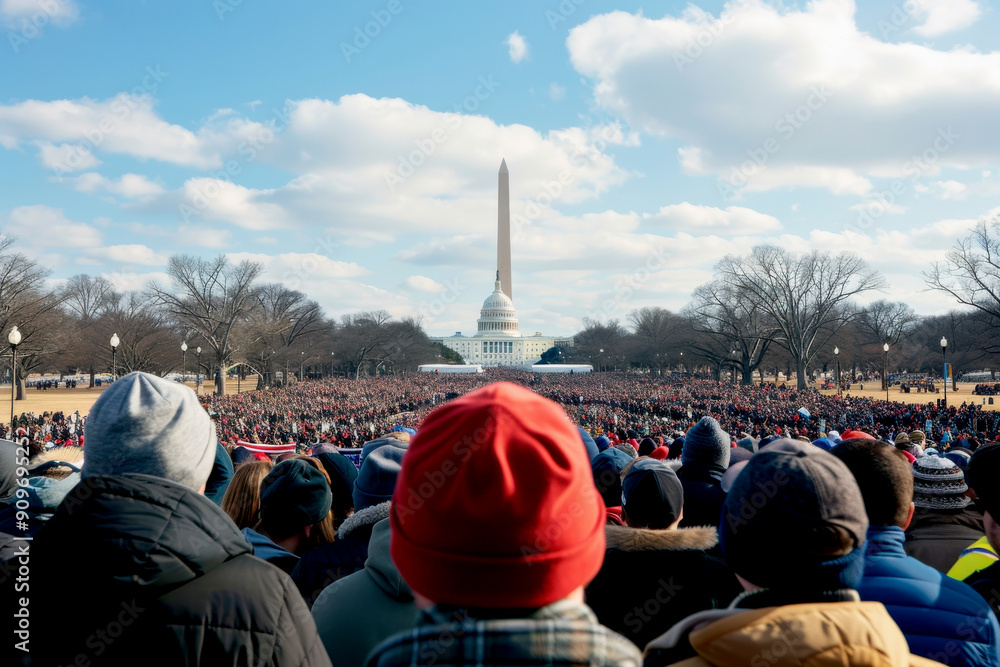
(503, 231)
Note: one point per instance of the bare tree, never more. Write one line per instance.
(655, 331)
(85, 298)
(211, 297)
(147, 338)
(806, 295)
(361, 338)
(887, 321)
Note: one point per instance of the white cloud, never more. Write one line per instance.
(733, 220)
(792, 97)
(43, 228)
(556, 92)
(132, 186)
(38, 12)
(942, 16)
(131, 254)
(424, 284)
(65, 157)
(517, 47)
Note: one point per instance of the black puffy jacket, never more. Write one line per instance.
(134, 569)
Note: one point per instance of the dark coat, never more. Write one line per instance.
(942, 619)
(346, 555)
(652, 579)
(139, 569)
(703, 496)
(987, 583)
(938, 537)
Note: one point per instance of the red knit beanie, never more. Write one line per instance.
(495, 505)
(851, 434)
(660, 453)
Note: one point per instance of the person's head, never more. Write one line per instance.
(607, 468)
(294, 497)
(984, 471)
(646, 447)
(495, 508)
(377, 476)
(242, 498)
(794, 518)
(146, 424)
(652, 496)
(323, 531)
(706, 444)
(342, 474)
(885, 478)
(939, 484)
(918, 438)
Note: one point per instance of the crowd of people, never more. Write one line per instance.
(502, 518)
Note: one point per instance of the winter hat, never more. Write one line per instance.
(984, 470)
(917, 438)
(834, 436)
(372, 445)
(938, 484)
(652, 496)
(676, 448)
(588, 443)
(747, 443)
(627, 449)
(739, 454)
(706, 443)
(660, 453)
(734, 469)
(602, 443)
(852, 434)
(243, 455)
(342, 473)
(145, 424)
(779, 515)
(902, 439)
(823, 443)
(607, 469)
(376, 479)
(494, 507)
(646, 447)
(293, 495)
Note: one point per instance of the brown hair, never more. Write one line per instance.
(885, 478)
(242, 498)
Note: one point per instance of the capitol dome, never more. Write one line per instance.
(498, 317)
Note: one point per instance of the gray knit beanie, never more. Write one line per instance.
(706, 443)
(145, 424)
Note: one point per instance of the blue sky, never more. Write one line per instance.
(645, 141)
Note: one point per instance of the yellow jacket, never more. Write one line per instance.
(977, 556)
(861, 634)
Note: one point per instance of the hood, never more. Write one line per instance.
(45, 493)
(380, 566)
(8, 469)
(645, 539)
(831, 634)
(143, 531)
(369, 516)
(264, 547)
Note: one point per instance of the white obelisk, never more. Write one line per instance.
(503, 231)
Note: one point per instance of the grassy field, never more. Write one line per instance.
(81, 398)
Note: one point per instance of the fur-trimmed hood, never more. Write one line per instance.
(626, 538)
(369, 516)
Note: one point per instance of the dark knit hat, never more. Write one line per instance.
(589, 446)
(984, 471)
(938, 484)
(372, 445)
(706, 443)
(739, 454)
(652, 496)
(342, 474)
(748, 443)
(292, 496)
(376, 479)
(494, 507)
(780, 517)
(602, 443)
(607, 469)
(646, 447)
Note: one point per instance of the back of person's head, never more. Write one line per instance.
(938, 484)
(984, 471)
(607, 468)
(342, 473)
(706, 444)
(293, 495)
(146, 424)
(242, 498)
(646, 447)
(652, 495)
(377, 476)
(323, 531)
(495, 508)
(884, 476)
(795, 518)
(372, 445)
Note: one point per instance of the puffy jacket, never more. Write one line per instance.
(824, 634)
(987, 583)
(154, 572)
(938, 537)
(942, 619)
(355, 613)
(652, 579)
(703, 495)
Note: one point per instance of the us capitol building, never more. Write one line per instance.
(498, 340)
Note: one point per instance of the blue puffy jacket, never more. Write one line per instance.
(943, 619)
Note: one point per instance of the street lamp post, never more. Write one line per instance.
(14, 338)
(114, 356)
(302, 357)
(885, 371)
(184, 351)
(600, 359)
(836, 353)
(197, 375)
(944, 368)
